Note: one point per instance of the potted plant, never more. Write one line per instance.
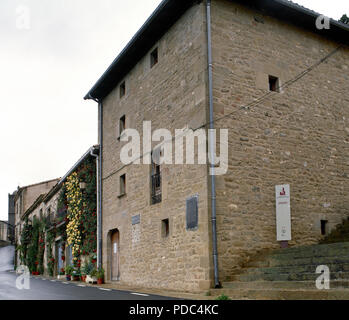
(68, 272)
(84, 272)
(76, 275)
(100, 276)
(91, 277)
(61, 274)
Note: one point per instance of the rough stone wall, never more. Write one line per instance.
(172, 95)
(31, 193)
(52, 205)
(26, 198)
(3, 231)
(298, 137)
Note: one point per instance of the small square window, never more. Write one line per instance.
(274, 84)
(154, 57)
(122, 185)
(165, 228)
(122, 89)
(122, 125)
(324, 227)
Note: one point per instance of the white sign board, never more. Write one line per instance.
(115, 247)
(283, 213)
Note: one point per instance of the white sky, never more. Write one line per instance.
(46, 70)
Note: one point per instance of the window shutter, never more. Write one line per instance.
(192, 213)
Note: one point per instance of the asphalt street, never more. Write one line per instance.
(46, 289)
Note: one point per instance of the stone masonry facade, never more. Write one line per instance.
(298, 136)
(25, 197)
(168, 94)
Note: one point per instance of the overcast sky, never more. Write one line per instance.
(51, 54)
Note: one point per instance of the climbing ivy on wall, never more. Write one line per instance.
(50, 237)
(87, 174)
(81, 205)
(33, 245)
(75, 205)
(62, 202)
(26, 236)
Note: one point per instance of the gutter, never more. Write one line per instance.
(99, 186)
(310, 12)
(212, 147)
(99, 159)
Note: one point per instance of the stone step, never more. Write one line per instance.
(300, 254)
(308, 268)
(289, 276)
(317, 249)
(276, 294)
(276, 262)
(282, 285)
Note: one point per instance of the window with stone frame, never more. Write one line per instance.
(155, 178)
(122, 89)
(165, 228)
(122, 185)
(122, 125)
(274, 84)
(154, 57)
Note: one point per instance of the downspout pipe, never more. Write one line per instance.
(212, 148)
(99, 159)
(99, 192)
(98, 207)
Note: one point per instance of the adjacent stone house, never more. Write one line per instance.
(280, 87)
(47, 209)
(4, 231)
(24, 199)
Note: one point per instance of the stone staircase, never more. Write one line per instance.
(290, 274)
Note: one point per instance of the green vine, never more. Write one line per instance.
(36, 248)
(26, 236)
(50, 236)
(75, 204)
(81, 204)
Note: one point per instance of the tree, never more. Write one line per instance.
(344, 19)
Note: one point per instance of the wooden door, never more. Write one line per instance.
(115, 270)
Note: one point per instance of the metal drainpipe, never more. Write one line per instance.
(98, 206)
(212, 165)
(99, 159)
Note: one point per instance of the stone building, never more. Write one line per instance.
(11, 217)
(4, 231)
(24, 199)
(280, 87)
(46, 208)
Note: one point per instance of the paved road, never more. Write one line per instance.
(45, 289)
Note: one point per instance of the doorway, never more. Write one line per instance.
(60, 263)
(115, 255)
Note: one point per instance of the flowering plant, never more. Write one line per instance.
(74, 196)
